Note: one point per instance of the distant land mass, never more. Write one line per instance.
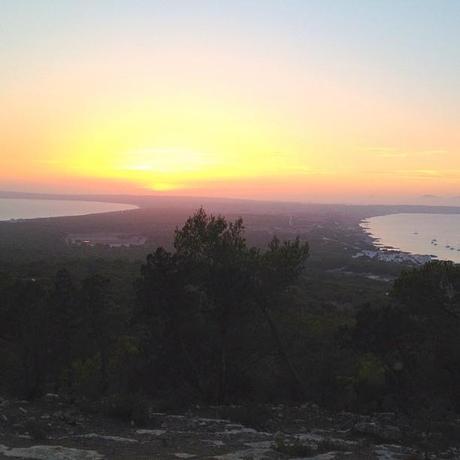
(430, 197)
(238, 205)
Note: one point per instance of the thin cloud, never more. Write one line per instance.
(392, 152)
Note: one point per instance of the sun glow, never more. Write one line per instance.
(268, 108)
(188, 150)
(164, 186)
(166, 161)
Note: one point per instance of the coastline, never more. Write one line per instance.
(56, 208)
(391, 253)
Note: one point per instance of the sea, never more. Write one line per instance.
(14, 208)
(426, 234)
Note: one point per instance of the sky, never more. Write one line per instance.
(299, 100)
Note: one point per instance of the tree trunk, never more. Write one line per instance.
(104, 382)
(195, 380)
(222, 384)
(298, 385)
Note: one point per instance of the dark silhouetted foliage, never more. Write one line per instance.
(212, 319)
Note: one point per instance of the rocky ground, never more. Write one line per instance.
(52, 429)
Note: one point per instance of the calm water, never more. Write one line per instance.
(436, 234)
(31, 209)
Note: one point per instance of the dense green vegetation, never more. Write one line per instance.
(213, 319)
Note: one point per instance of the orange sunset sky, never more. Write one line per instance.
(339, 101)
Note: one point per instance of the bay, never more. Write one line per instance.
(426, 234)
(15, 208)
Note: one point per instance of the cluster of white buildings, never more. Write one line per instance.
(395, 256)
(106, 239)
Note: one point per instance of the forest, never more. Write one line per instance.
(213, 320)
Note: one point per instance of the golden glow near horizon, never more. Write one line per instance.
(275, 109)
